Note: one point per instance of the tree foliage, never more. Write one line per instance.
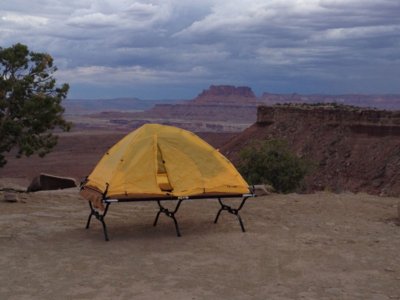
(30, 102)
(271, 162)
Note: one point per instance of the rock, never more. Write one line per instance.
(12, 184)
(10, 196)
(226, 95)
(263, 189)
(50, 182)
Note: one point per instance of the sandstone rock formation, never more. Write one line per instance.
(217, 109)
(351, 148)
(390, 102)
(226, 95)
(220, 108)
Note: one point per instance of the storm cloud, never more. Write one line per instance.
(174, 49)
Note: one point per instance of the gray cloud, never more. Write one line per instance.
(120, 47)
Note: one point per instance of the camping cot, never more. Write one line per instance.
(162, 163)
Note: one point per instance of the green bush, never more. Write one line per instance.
(271, 162)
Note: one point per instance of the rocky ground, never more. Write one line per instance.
(317, 246)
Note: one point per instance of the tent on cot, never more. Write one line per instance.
(159, 162)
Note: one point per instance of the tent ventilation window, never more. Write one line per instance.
(162, 176)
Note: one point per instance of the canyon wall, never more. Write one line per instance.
(351, 149)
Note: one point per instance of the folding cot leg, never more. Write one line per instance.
(90, 215)
(99, 217)
(170, 214)
(234, 211)
(157, 216)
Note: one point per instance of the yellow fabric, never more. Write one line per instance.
(163, 182)
(157, 160)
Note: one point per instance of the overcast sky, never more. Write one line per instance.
(165, 49)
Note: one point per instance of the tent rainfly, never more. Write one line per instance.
(158, 161)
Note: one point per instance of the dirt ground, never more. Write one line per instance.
(317, 246)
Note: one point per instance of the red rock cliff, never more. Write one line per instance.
(352, 149)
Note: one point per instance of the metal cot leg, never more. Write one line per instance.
(90, 215)
(234, 211)
(170, 214)
(99, 217)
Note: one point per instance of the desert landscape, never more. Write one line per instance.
(315, 246)
(340, 240)
(299, 102)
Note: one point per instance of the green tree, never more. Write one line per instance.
(30, 102)
(273, 163)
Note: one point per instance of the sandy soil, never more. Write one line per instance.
(319, 246)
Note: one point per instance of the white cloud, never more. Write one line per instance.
(93, 20)
(121, 14)
(23, 21)
(243, 16)
(142, 11)
(361, 32)
(100, 75)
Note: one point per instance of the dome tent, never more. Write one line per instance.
(159, 161)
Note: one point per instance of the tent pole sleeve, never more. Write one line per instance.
(168, 213)
(233, 211)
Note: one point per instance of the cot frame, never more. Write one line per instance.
(100, 216)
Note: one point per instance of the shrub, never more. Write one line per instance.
(271, 162)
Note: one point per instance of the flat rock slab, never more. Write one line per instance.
(10, 196)
(45, 182)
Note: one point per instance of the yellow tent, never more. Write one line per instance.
(162, 161)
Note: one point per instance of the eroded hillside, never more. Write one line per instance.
(352, 149)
